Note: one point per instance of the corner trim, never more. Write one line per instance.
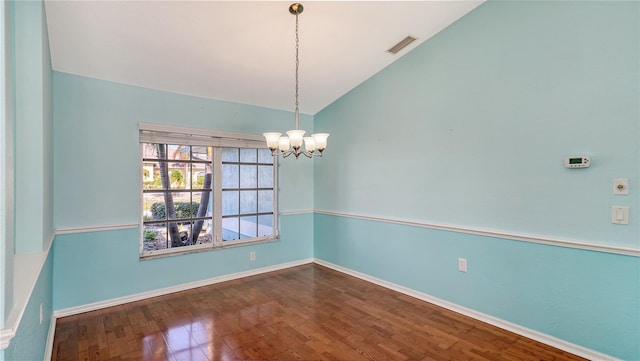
(173, 289)
(566, 243)
(505, 325)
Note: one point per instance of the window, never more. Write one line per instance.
(204, 190)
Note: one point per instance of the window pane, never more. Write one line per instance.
(154, 237)
(230, 174)
(248, 202)
(201, 204)
(201, 153)
(230, 203)
(151, 176)
(153, 207)
(265, 176)
(179, 234)
(265, 201)
(265, 225)
(178, 152)
(248, 155)
(150, 150)
(248, 176)
(182, 207)
(248, 227)
(205, 236)
(200, 176)
(230, 154)
(177, 175)
(230, 228)
(264, 156)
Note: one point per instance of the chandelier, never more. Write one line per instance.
(292, 143)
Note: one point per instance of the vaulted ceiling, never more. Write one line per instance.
(240, 51)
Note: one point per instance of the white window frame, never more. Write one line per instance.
(167, 134)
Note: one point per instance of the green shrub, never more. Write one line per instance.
(183, 210)
(150, 235)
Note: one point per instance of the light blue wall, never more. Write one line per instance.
(470, 129)
(6, 169)
(29, 138)
(111, 268)
(97, 183)
(584, 297)
(96, 150)
(33, 132)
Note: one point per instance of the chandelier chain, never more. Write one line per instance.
(297, 67)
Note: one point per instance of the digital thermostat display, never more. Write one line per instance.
(577, 162)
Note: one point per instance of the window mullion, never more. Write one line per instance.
(217, 196)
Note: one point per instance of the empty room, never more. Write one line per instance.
(325, 180)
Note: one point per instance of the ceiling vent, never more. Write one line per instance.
(402, 44)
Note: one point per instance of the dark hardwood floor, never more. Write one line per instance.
(302, 313)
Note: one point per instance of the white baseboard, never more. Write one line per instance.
(168, 290)
(48, 351)
(520, 330)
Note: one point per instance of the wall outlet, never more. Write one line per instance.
(252, 256)
(462, 264)
(41, 314)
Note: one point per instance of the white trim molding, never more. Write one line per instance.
(115, 227)
(48, 351)
(173, 289)
(301, 211)
(628, 251)
(28, 267)
(512, 327)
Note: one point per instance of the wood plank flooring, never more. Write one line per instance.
(303, 313)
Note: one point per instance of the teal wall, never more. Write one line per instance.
(583, 297)
(6, 167)
(28, 178)
(96, 150)
(111, 268)
(97, 183)
(470, 130)
(33, 132)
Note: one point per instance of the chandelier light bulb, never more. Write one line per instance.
(309, 144)
(273, 139)
(320, 140)
(283, 144)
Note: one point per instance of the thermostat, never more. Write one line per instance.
(581, 161)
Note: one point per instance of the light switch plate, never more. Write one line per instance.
(619, 215)
(621, 186)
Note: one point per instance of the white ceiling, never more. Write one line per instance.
(240, 51)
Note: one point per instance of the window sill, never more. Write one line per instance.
(204, 248)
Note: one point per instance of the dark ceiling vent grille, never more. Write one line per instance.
(402, 44)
